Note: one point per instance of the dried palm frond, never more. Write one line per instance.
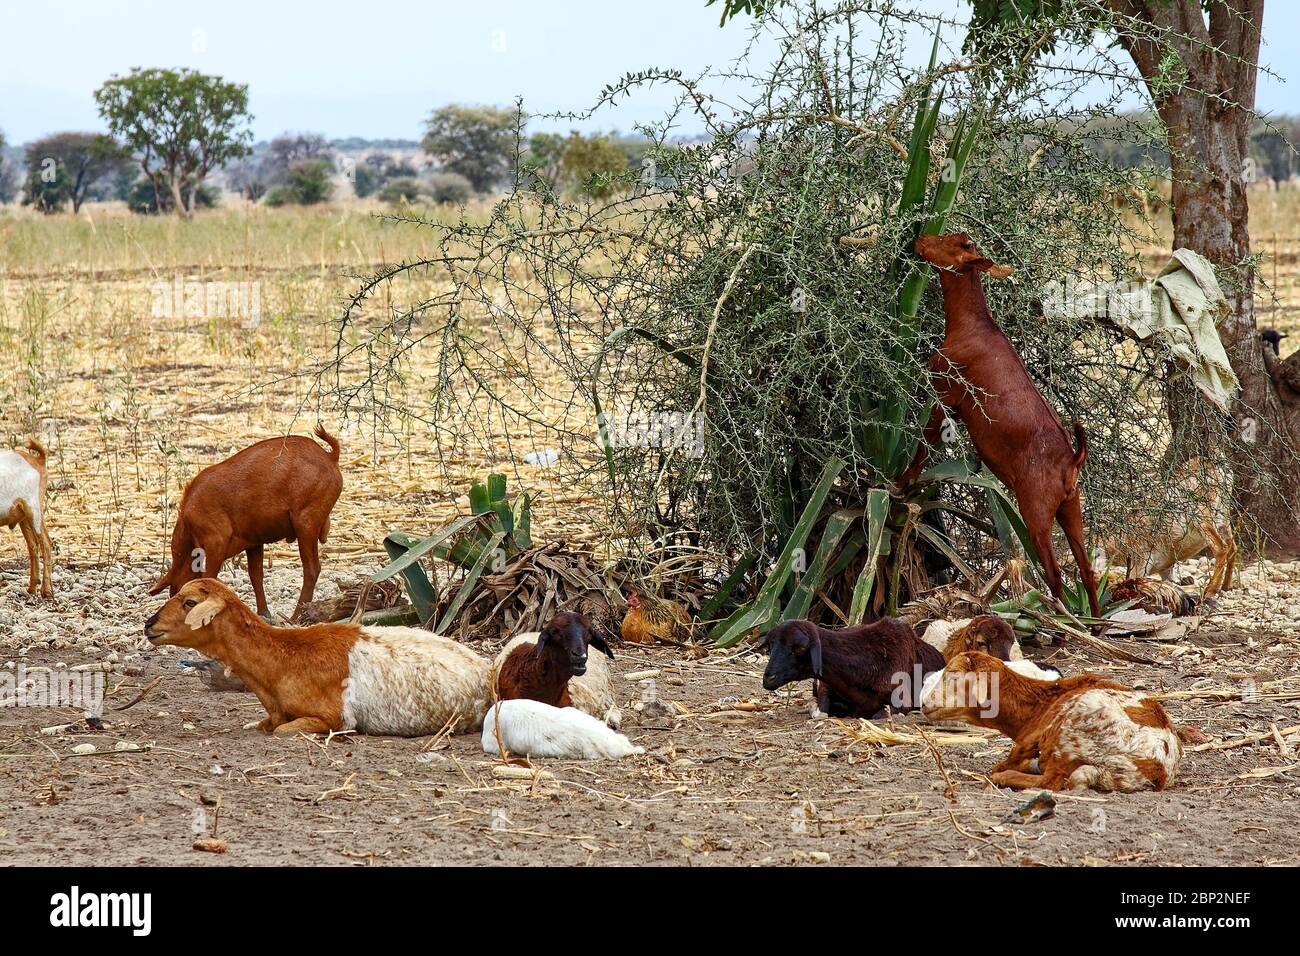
(378, 596)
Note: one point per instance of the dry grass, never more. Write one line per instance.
(132, 404)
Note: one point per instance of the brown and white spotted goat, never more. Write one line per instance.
(1069, 733)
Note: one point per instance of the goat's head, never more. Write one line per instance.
(988, 634)
(570, 634)
(186, 619)
(957, 252)
(966, 689)
(1274, 339)
(794, 652)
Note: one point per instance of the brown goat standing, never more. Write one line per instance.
(281, 489)
(1014, 430)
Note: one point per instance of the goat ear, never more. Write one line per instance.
(985, 264)
(815, 652)
(599, 644)
(540, 647)
(202, 615)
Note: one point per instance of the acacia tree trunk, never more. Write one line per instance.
(1208, 122)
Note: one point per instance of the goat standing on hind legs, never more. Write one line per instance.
(980, 376)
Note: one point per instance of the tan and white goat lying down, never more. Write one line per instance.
(399, 681)
(1069, 732)
(22, 504)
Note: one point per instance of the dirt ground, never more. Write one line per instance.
(719, 783)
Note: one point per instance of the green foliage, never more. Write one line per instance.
(372, 173)
(449, 188)
(144, 199)
(48, 187)
(306, 182)
(476, 141)
(404, 189)
(594, 165)
(734, 8)
(496, 530)
(63, 168)
(182, 123)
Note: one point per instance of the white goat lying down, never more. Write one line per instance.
(539, 730)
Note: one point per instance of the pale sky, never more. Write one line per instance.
(376, 69)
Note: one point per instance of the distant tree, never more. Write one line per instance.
(142, 198)
(476, 141)
(181, 124)
(63, 167)
(1272, 147)
(449, 188)
(9, 175)
(366, 180)
(376, 170)
(593, 164)
(47, 187)
(306, 182)
(544, 159)
(248, 177)
(290, 148)
(401, 190)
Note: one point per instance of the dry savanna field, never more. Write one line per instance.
(133, 396)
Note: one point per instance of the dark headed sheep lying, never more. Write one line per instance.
(859, 670)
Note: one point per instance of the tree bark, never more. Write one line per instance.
(1208, 123)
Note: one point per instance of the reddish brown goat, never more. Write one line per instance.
(980, 376)
(281, 489)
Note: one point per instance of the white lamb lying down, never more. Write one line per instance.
(539, 730)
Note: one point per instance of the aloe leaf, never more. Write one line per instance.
(420, 548)
(724, 591)
(937, 540)
(471, 580)
(837, 525)
(879, 543)
(730, 631)
(479, 500)
(523, 522)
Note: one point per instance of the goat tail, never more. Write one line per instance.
(37, 449)
(330, 440)
(1081, 442)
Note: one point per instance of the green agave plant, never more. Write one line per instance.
(496, 530)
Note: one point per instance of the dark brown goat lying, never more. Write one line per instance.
(980, 376)
(859, 670)
(281, 489)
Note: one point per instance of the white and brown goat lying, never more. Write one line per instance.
(398, 681)
(1069, 732)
